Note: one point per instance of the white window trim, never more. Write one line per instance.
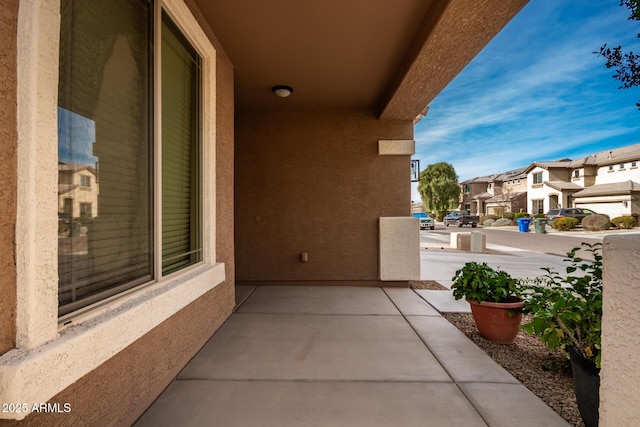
(48, 357)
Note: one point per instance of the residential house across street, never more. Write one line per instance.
(607, 182)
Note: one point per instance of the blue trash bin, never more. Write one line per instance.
(523, 224)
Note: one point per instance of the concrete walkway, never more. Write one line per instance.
(343, 356)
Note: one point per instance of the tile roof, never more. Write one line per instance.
(506, 197)
(563, 185)
(626, 187)
(617, 155)
(484, 195)
(603, 158)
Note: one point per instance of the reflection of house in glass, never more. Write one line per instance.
(78, 191)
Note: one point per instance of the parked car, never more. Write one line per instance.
(569, 213)
(460, 218)
(425, 221)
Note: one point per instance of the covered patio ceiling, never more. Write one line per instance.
(390, 56)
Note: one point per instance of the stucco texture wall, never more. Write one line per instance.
(312, 181)
(118, 392)
(620, 376)
(8, 173)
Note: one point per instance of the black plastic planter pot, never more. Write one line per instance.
(586, 382)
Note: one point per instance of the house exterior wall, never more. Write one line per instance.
(586, 176)
(537, 191)
(312, 181)
(8, 171)
(120, 388)
(475, 188)
(559, 174)
(515, 186)
(618, 173)
(80, 194)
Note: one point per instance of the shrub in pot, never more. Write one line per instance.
(596, 222)
(495, 301)
(567, 314)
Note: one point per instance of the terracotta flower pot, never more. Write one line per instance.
(499, 322)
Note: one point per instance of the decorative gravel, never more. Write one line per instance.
(546, 373)
(427, 284)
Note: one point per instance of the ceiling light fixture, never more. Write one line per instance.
(282, 90)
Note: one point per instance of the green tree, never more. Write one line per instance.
(438, 187)
(627, 65)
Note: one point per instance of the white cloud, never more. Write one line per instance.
(536, 93)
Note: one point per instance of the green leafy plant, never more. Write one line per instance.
(480, 282)
(567, 311)
(565, 224)
(509, 215)
(521, 215)
(540, 215)
(624, 222)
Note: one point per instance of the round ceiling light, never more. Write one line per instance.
(282, 90)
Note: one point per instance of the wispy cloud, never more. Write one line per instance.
(537, 92)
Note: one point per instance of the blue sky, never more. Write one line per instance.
(536, 92)
(82, 131)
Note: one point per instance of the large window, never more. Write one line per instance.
(181, 229)
(106, 104)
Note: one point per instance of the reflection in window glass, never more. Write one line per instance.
(104, 115)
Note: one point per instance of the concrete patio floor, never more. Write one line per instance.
(343, 356)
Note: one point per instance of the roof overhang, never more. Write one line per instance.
(563, 186)
(612, 189)
(393, 57)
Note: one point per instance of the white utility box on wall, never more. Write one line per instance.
(399, 248)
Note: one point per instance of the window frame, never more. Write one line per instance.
(110, 326)
(540, 206)
(537, 178)
(159, 18)
(84, 178)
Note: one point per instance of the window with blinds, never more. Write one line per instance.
(106, 229)
(181, 233)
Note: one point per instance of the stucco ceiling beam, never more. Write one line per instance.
(452, 33)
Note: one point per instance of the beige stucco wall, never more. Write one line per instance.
(399, 248)
(313, 181)
(120, 389)
(8, 175)
(620, 376)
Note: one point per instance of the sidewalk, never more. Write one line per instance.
(520, 254)
(343, 356)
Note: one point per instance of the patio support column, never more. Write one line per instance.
(620, 377)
